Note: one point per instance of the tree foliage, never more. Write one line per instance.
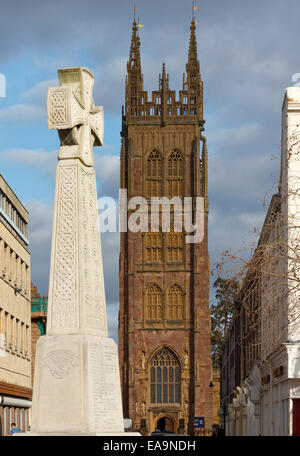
(221, 313)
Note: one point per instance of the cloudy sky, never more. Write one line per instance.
(248, 52)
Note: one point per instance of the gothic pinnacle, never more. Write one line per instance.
(134, 62)
(193, 57)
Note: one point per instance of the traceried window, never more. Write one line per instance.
(154, 174)
(153, 303)
(174, 174)
(165, 377)
(174, 246)
(153, 247)
(174, 303)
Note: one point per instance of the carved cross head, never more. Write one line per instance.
(71, 111)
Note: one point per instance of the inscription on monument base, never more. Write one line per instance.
(105, 400)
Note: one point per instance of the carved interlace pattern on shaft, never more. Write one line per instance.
(93, 294)
(65, 294)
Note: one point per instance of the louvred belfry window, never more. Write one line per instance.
(175, 246)
(154, 174)
(153, 303)
(175, 303)
(175, 174)
(153, 247)
(165, 378)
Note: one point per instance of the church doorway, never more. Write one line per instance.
(165, 424)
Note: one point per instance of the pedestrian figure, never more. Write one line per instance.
(13, 429)
(217, 432)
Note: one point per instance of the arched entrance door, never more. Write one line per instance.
(165, 424)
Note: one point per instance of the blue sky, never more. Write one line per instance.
(248, 53)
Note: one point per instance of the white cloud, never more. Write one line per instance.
(239, 135)
(242, 178)
(32, 158)
(22, 113)
(109, 84)
(110, 243)
(234, 232)
(40, 226)
(112, 320)
(38, 93)
(108, 174)
(107, 166)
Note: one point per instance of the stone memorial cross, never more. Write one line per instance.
(76, 302)
(71, 111)
(77, 382)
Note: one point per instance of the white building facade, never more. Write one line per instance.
(266, 397)
(280, 367)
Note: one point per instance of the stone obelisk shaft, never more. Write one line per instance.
(77, 382)
(76, 303)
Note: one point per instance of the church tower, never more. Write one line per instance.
(164, 318)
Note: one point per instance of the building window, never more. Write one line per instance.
(165, 377)
(6, 327)
(17, 327)
(174, 246)
(175, 303)
(12, 213)
(154, 173)
(12, 331)
(153, 247)
(26, 342)
(22, 338)
(174, 174)
(153, 303)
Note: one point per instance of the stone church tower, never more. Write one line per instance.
(164, 318)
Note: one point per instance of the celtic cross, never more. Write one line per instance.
(71, 111)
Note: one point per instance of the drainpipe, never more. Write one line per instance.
(13, 402)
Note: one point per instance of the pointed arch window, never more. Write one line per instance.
(153, 247)
(153, 307)
(165, 377)
(175, 174)
(154, 173)
(175, 303)
(175, 241)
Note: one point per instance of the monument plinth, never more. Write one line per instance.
(77, 381)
